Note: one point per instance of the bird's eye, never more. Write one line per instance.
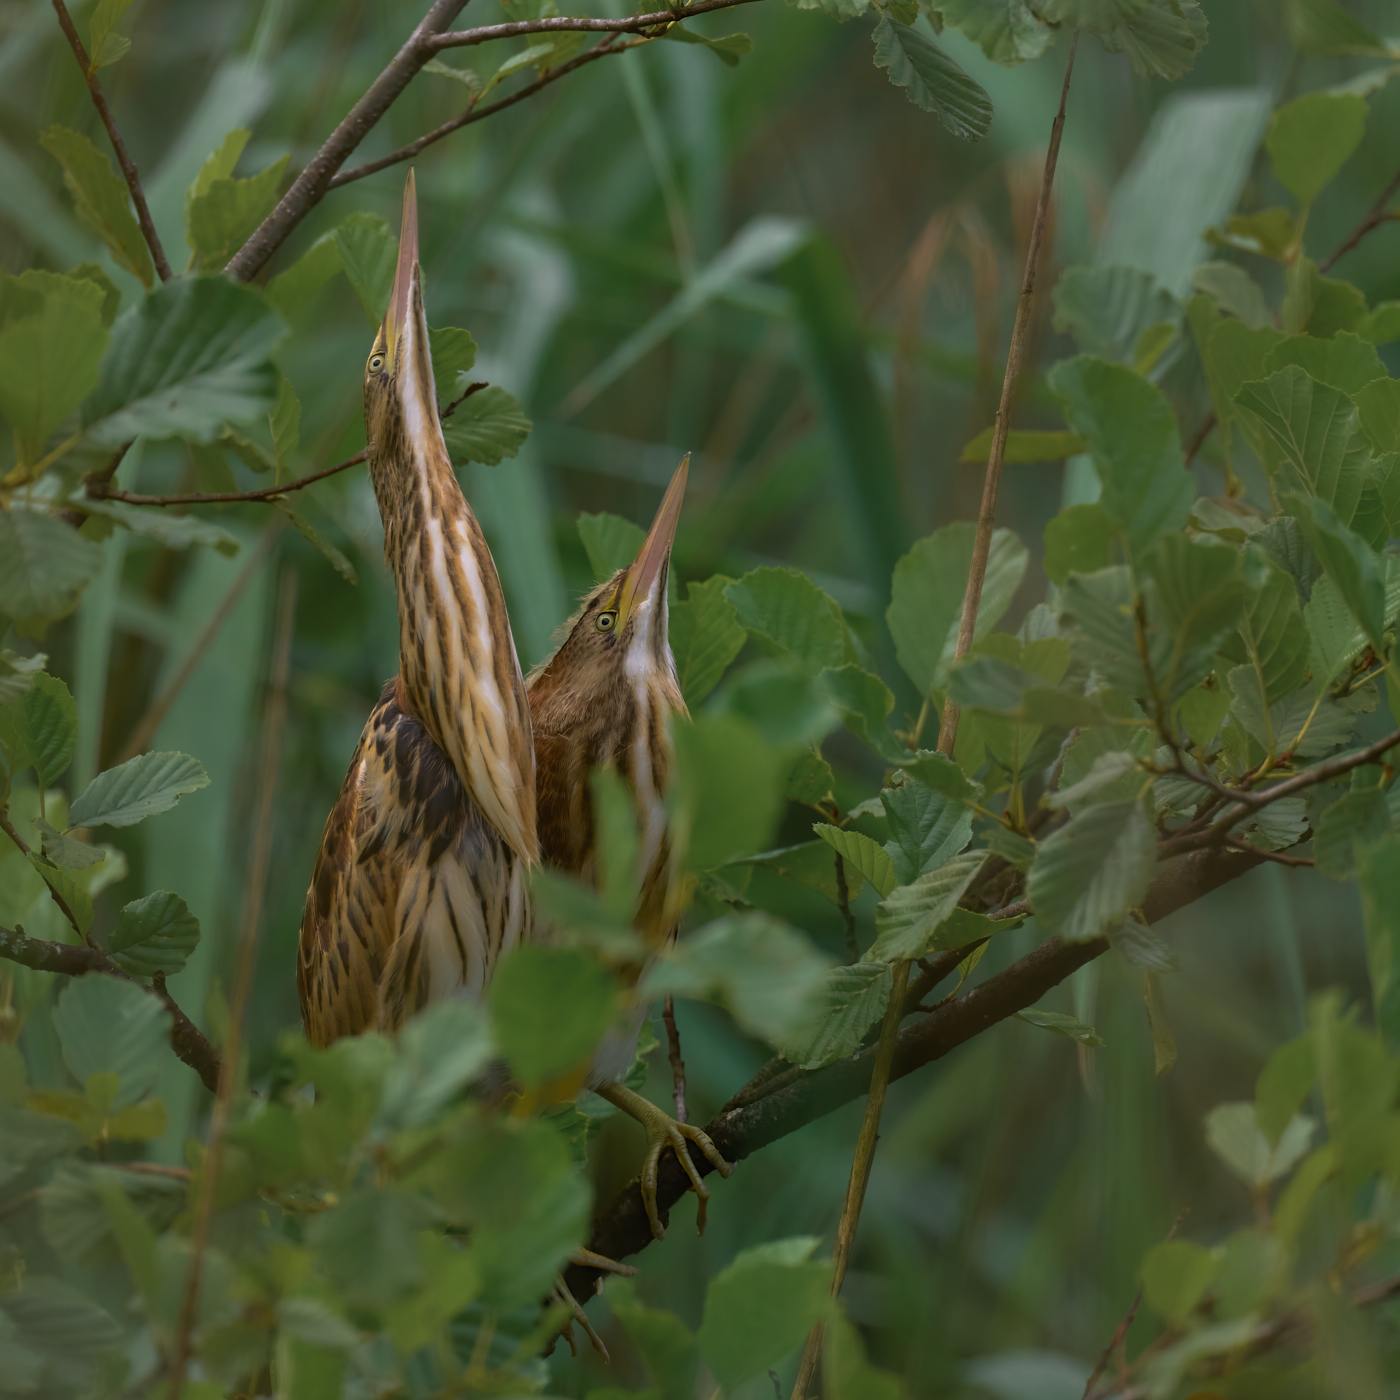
(606, 621)
(376, 363)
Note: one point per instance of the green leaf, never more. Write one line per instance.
(1286, 1081)
(931, 80)
(1088, 874)
(466, 76)
(1109, 308)
(665, 1343)
(173, 531)
(768, 976)
(549, 1009)
(64, 851)
(1344, 361)
(926, 598)
(369, 255)
(137, 789)
(1063, 1025)
(1234, 1136)
(761, 1307)
(787, 706)
(789, 610)
(1023, 446)
(367, 1244)
(311, 1321)
(17, 674)
(61, 1329)
(66, 886)
(333, 556)
(1378, 871)
(728, 48)
(1311, 139)
(44, 566)
(489, 427)
(869, 858)
(1175, 1276)
(1097, 16)
(1350, 563)
(51, 342)
(1007, 31)
(1353, 823)
(705, 634)
(864, 702)
(726, 795)
(856, 997)
(221, 212)
(1132, 435)
(1233, 290)
(440, 1052)
(615, 839)
(610, 542)
(108, 1026)
(1271, 233)
(192, 356)
(811, 781)
(927, 829)
(1323, 27)
(1078, 540)
(812, 863)
(907, 923)
(290, 289)
(1163, 40)
(156, 933)
(105, 45)
(284, 422)
(1275, 640)
(1295, 724)
(46, 722)
(454, 353)
(100, 199)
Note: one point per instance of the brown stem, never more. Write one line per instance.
(465, 38)
(145, 731)
(673, 1053)
(475, 114)
(99, 491)
(73, 960)
(1199, 437)
(273, 719)
(129, 173)
(623, 1229)
(843, 902)
(1020, 335)
(310, 187)
(1293, 862)
(860, 1167)
(1375, 216)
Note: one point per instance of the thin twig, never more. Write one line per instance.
(477, 114)
(273, 718)
(843, 902)
(145, 731)
(8, 828)
(1020, 335)
(1294, 862)
(673, 1053)
(1199, 437)
(860, 1167)
(464, 38)
(73, 960)
(1375, 216)
(129, 173)
(99, 491)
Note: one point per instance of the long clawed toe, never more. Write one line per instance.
(667, 1132)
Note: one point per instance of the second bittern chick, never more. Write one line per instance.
(605, 700)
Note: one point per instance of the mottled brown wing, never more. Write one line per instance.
(414, 896)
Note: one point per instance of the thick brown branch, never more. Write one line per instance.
(622, 1228)
(310, 187)
(100, 491)
(129, 173)
(186, 1039)
(464, 38)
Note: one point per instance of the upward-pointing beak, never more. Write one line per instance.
(400, 296)
(641, 576)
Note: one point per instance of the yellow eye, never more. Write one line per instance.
(376, 363)
(606, 621)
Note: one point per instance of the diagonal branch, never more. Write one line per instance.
(1375, 216)
(133, 180)
(622, 1228)
(633, 24)
(100, 491)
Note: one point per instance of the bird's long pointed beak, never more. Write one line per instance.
(400, 296)
(642, 574)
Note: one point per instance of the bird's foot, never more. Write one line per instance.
(562, 1293)
(664, 1131)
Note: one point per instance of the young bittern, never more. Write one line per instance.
(419, 886)
(605, 699)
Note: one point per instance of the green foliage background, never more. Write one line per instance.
(787, 270)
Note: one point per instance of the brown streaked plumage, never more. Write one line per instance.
(605, 700)
(420, 881)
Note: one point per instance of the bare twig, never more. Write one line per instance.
(1375, 216)
(1235, 843)
(74, 960)
(673, 1053)
(860, 1167)
(273, 718)
(843, 902)
(632, 24)
(1020, 335)
(1199, 437)
(129, 173)
(100, 491)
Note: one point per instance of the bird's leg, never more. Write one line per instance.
(664, 1131)
(562, 1293)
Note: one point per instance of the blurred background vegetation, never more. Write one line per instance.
(1020, 1180)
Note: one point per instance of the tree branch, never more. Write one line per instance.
(622, 1229)
(100, 491)
(310, 187)
(73, 960)
(1375, 216)
(663, 19)
(128, 166)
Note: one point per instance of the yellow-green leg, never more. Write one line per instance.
(664, 1131)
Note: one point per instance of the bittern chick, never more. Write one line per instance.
(419, 886)
(605, 699)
